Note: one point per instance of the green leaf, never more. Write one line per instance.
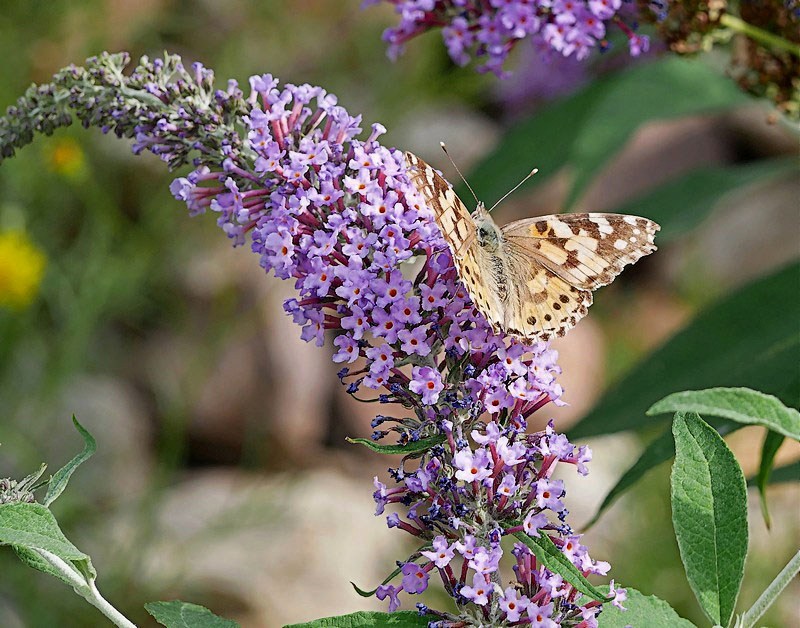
(33, 526)
(371, 619)
(772, 442)
(709, 512)
(681, 204)
(386, 580)
(423, 444)
(669, 88)
(737, 404)
(742, 340)
(642, 610)
(34, 561)
(554, 559)
(179, 614)
(787, 473)
(61, 477)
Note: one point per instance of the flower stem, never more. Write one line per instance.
(86, 588)
(760, 35)
(772, 592)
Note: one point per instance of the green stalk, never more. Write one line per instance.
(773, 590)
(758, 34)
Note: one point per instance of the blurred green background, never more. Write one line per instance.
(222, 476)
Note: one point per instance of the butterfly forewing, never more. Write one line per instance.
(458, 229)
(586, 250)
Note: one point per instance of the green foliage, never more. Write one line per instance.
(589, 128)
(554, 559)
(737, 404)
(641, 610)
(61, 477)
(416, 447)
(177, 614)
(772, 442)
(370, 619)
(709, 512)
(742, 340)
(682, 204)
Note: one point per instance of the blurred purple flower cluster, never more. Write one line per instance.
(489, 29)
(339, 216)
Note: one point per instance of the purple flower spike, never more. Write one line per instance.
(284, 170)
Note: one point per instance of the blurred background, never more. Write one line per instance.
(222, 476)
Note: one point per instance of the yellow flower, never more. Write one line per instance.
(21, 269)
(66, 157)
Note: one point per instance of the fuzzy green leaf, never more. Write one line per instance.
(709, 513)
(641, 610)
(554, 559)
(33, 526)
(737, 404)
(177, 614)
(411, 448)
(370, 619)
(61, 477)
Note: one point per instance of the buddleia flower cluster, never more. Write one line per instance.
(283, 170)
(489, 29)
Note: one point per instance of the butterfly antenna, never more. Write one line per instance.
(514, 189)
(444, 148)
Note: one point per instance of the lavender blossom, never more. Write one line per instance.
(285, 171)
(489, 29)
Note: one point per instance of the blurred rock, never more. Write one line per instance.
(283, 548)
(116, 416)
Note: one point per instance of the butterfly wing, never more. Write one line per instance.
(558, 260)
(458, 229)
(585, 250)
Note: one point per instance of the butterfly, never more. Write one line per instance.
(532, 278)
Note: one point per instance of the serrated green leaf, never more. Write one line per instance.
(411, 448)
(709, 513)
(371, 619)
(742, 340)
(665, 89)
(642, 611)
(33, 526)
(177, 614)
(554, 559)
(683, 203)
(61, 477)
(772, 442)
(742, 405)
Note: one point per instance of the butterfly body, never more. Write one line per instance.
(532, 278)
